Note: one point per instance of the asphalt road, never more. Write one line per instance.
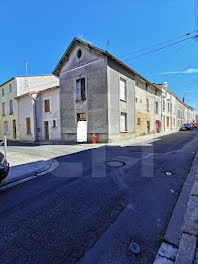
(87, 212)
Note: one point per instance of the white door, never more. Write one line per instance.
(82, 131)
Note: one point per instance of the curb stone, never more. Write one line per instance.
(42, 170)
(166, 254)
(187, 249)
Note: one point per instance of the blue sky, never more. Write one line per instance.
(40, 31)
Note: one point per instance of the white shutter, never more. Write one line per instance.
(122, 89)
(122, 122)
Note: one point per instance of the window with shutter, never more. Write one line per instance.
(11, 107)
(122, 89)
(28, 126)
(83, 89)
(80, 89)
(47, 105)
(5, 127)
(123, 122)
(3, 109)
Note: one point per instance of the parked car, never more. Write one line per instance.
(187, 126)
(4, 166)
(194, 125)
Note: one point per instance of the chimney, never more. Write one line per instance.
(183, 100)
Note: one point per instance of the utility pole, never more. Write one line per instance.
(26, 72)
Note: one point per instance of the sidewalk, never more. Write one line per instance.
(184, 229)
(23, 165)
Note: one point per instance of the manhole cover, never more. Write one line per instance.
(168, 173)
(114, 163)
(135, 248)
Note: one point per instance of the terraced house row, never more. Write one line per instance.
(90, 91)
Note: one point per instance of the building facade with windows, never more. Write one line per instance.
(147, 108)
(100, 94)
(39, 115)
(100, 88)
(9, 108)
(174, 111)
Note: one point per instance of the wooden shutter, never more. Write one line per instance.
(47, 105)
(78, 90)
(83, 89)
(28, 126)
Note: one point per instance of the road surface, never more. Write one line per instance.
(88, 212)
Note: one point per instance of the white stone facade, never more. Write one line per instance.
(33, 107)
(14, 87)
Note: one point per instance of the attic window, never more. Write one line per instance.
(79, 53)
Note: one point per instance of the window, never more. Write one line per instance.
(2, 91)
(140, 101)
(80, 89)
(147, 104)
(168, 107)
(122, 89)
(171, 107)
(137, 83)
(28, 126)
(136, 100)
(163, 105)
(146, 87)
(10, 88)
(54, 123)
(5, 127)
(81, 117)
(156, 107)
(155, 91)
(123, 122)
(47, 105)
(11, 107)
(3, 109)
(79, 53)
(138, 121)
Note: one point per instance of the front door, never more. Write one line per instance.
(82, 131)
(81, 127)
(14, 128)
(148, 127)
(46, 130)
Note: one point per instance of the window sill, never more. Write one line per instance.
(122, 100)
(124, 131)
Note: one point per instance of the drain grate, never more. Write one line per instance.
(168, 173)
(115, 163)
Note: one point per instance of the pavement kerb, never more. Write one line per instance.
(188, 243)
(185, 253)
(43, 169)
